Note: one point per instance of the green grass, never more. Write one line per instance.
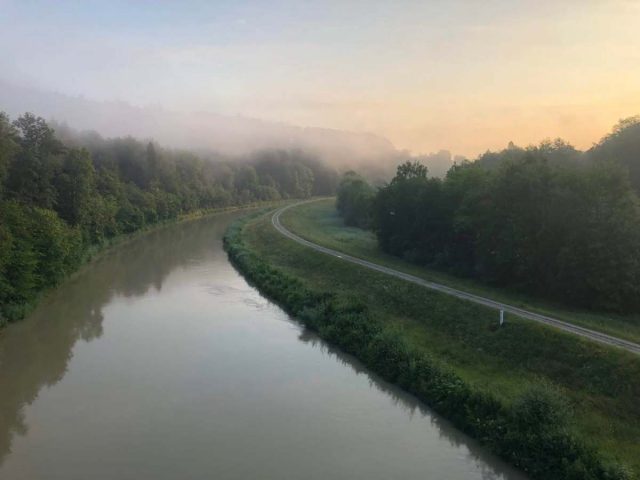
(320, 223)
(600, 382)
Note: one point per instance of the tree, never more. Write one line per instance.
(75, 186)
(36, 163)
(535, 221)
(621, 146)
(8, 147)
(409, 170)
(354, 198)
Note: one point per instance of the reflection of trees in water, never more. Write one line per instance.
(490, 466)
(35, 352)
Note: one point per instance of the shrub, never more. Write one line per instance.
(533, 433)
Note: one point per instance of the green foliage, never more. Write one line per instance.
(294, 174)
(410, 170)
(8, 147)
(504, 361)
(531, 432)
(541, 405)
(412, 217)
(38, 249)
(567, 232)
(354, 197)
(57, 202)
(75, 186)
(621, 146)
(35, 163)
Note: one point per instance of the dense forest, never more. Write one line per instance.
(547, 220)
(62, 199)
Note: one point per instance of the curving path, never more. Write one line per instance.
(567, 327)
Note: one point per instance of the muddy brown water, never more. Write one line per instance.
(159, 361)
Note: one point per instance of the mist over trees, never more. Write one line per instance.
(212, 135)
(547, 220)
(621, 146)
(59, 200)
(201, 132)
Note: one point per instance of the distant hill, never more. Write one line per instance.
(202, 131)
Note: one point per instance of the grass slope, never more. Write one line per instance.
(600, 382)
(320, 223)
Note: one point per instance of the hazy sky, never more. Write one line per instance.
(462, 75)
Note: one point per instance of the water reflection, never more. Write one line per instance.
(490, 466)
(35, 353)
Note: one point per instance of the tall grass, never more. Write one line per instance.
(531, 432)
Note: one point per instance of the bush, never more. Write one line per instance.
(533, 433)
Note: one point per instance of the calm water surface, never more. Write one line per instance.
(160, 362)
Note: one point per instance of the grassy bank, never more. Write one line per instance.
(320, 223)
(94, 251)
(513, 387)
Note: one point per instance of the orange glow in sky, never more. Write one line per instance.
(460, 75)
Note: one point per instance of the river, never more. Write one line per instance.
(158, 361)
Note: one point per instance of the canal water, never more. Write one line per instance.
(159, 361)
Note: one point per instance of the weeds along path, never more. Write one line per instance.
(554, 322)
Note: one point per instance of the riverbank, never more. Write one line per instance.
(490, 382)
(320, 223)
(167, 342)
(95, 251)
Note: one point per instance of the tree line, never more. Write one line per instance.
(59, 201)
(548, 220)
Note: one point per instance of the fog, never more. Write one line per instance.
(197, 131)
(360, 85)
(209, 133)
(419, 76)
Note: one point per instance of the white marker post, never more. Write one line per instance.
(501, 317)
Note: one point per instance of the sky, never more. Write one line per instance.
(460, 75)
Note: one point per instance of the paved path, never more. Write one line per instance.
(568, 327)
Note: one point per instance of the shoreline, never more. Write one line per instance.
(95, 252)
(351, 327)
